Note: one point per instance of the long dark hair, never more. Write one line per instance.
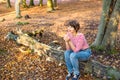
(73, 23)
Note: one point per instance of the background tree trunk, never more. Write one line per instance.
(8, 4)
(24, 3)
(50, 5)
(41, 3)
(17, 8)
(112, 27)
(31, 3)
(55, 3)
(108, 24)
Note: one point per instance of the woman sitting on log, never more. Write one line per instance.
(76, 48)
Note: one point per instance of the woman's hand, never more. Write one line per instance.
(66, 38)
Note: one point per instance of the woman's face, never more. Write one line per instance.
(71, 29)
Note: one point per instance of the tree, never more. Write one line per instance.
(24, 3)
(55, 3)
(31, 3)
(17, 8)
(50, 5)
(40, 2)
(107, 29)
(8, 4)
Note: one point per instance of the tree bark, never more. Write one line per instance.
(40, 3)
(31, 3)
(108, 26)
(50, 5)
(55, 3)
(24, 4)
(8, 4)
(112, 27)
(39, 48)
(17, 8)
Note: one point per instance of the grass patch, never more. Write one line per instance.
(22, 23)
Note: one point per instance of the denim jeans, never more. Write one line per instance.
(71, 59)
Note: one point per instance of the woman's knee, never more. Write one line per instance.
(67, 53)
(73, 55)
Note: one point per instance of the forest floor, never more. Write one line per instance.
(15, 65)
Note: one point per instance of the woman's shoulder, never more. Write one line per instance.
(80, 34)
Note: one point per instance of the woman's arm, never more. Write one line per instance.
(67, 45)
(71, 45)
(78, 45)
(66, 38)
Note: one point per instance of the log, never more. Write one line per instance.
(54, 54)
(39, 48)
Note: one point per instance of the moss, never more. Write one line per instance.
(22, 23)
(103, 49)
(112, 51)
(18, 17)
(97, 48)
(113, 74)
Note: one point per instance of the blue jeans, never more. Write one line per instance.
(71, 59)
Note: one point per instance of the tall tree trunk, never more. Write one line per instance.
(112, 27)
(8, 4)
(40, 2)
(50, 5)
(55, 3)
(24, 4)
(108, 24)
(31, 3)
(17, 8)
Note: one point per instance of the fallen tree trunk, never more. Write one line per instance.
(39, 48)
(52, 54)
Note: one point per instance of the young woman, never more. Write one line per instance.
(76, 48)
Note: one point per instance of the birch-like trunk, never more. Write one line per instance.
(17, 8)
(8, 4)
(50, 5)
(108, 26)
(24, 3)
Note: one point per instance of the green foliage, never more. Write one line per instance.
(22, 23)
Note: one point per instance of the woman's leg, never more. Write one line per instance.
(67, 60)
(74, 61)
(82, 55)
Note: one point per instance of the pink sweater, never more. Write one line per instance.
(78, 41)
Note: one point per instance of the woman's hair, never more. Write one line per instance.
(73, 23)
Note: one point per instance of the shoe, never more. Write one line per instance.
(76, 77)
(69, 76)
